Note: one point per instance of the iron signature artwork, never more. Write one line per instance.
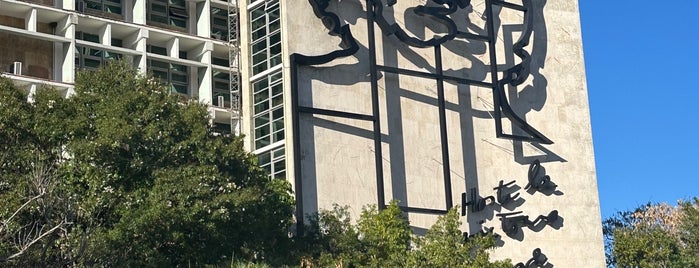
(439, 11)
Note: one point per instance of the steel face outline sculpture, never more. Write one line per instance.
(513, 76)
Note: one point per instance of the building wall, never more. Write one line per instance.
(337, 154)
(36, 55)
(46, 39)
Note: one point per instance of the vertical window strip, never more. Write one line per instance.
(268, 110)
(265, 45)
(274, 162)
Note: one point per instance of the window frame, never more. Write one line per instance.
(170, 11)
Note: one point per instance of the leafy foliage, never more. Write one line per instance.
(384, 239)
(144, 179)
(654, 235)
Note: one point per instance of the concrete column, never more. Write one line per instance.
(139, 11)
(203, 16)
(173, 47)
(66, 4)
(205, 88)
(137, 42)
(30, 20)
(128, 12)
(64, 53)
(106, 35)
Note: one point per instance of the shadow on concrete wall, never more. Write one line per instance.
(531, 97)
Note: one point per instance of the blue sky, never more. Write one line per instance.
(641, 59)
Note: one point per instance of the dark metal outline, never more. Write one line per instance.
(513, 76)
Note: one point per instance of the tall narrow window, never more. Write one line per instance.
(268, 110)
(265, 30)
(221, 88)
(219, 23)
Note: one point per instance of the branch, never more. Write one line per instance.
(4, 223)
(25, 247)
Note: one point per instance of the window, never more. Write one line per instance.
(274, 162)
(101, 6)
(268, 110)
(220, 61)
(168, 12)
(221, 88)
(221, 128)
(174, 74)
(219, 23)
(87, 58)
(265, 36)
(156, 50)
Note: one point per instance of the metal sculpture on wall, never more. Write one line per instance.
(538, 259)
(514, 76)
(438, 11)
(538, 180)
(513, 222)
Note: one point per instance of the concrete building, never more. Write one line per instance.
(481, 103)
(185, 43)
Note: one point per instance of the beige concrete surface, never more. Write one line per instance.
(337, 155)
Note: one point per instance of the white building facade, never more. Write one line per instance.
(480, 104)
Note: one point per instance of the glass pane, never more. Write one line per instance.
(179, 78)
(160, 74)
(260, 85)
(277, 101)
(259, 68)
(113, 9)
(179, 89)
(261, 132)
(179, 68)
(261, 121)
(92, 63)
(278, 136)
(263, 158)
(159, 64)
(277, 89)
(259, 47)
(158, 18)
(94, 52)
(158, 8)
(278, 125)
(180, 3)
(220, 85)
(261, 107)
(178, 22)
(93, 5)
(117, 42)
(219, 61)
(278, 113)
(278, 153)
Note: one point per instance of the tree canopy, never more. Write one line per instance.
(654, 235)
(384, 239)
(132, 176)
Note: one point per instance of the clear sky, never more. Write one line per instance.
(642, 60)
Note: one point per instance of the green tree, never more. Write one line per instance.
(654, 235)
(689, 234)
(444, 246)
(144, 179)
(384, 239)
